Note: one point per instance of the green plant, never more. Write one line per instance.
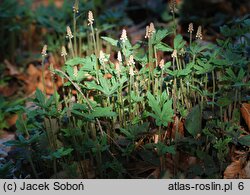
(131, 109)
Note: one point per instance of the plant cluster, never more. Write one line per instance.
(123, 104)
(27, 24)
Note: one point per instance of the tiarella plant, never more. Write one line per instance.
(113, 111)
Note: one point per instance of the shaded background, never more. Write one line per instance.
(25, 24)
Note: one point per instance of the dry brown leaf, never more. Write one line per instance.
(245, 111)
(108, 76)
(33, 80)
(74, 92)
(7, 91)
(11, 120)
(247, 170)
(234, 171)
(12, 69)
(32, 70)
(177, 123)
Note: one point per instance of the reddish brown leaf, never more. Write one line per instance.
(33, 80)
(74, 92)
(247, 170)
(32, 70)
(7, 91)
(108, 76)
(245, 111)
(11, 120)
(178, 126)
(235, 170)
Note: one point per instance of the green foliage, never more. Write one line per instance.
(163, 47)
(107, 87)
(161, 107)
(7, 170)
(102, 112)
(193, 121)
(134, 131)
(222, 146)
(223, 101)
(59, 153)
(203, 66)
(22, 142)
(111, 41)
(160, 35)
(162, 148)
(245, 140)
(97, 112)
(6, 111)
(179, 42)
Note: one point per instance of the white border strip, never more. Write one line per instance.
(123, 186)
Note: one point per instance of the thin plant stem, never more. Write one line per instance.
(120, 108)
(71, 48)
(213, 98)
(25, 128)
(206, 81)
(55, 167)
(182, 91)
(64, 57)
(193, 92)
(52, 136)
(181, 84)
(94, 41)
(98, 45)
(239, 95)
(54, 87)
(174, 90)
(96, 52)
(74, 26)
(235, 99)
(221, 114)
(130, 99)
(201, 107)
(156, 60)
(80, 45)
(175, 25)
(190, 38)
(43, 77)
(161, 80)
(230, 111)
(150, 62)
(178, 64)
(32, 166)
(110, 105)
(99, 160)
(84, 97)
